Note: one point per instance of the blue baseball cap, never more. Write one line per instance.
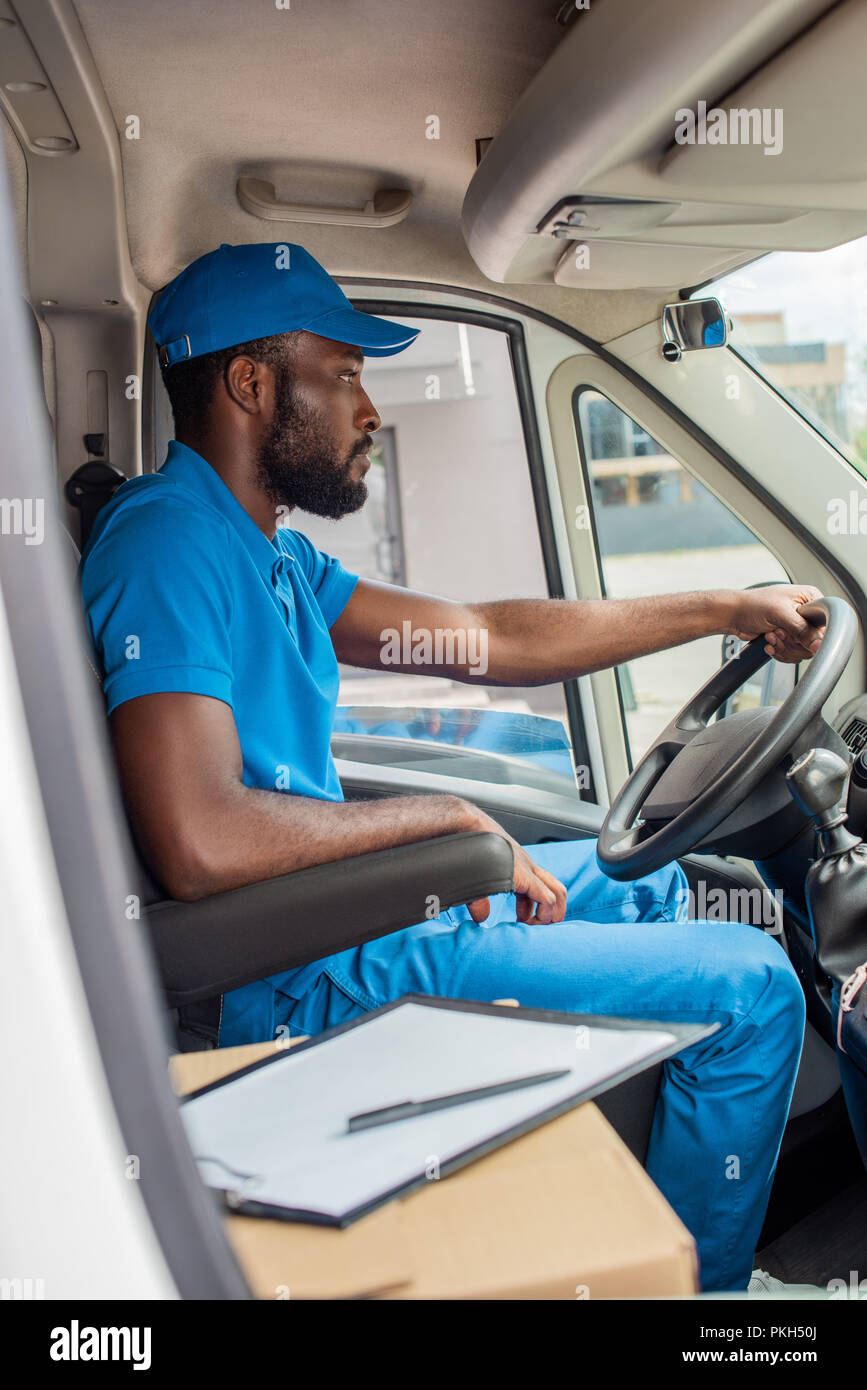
(239, 293)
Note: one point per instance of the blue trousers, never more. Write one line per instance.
(627, 949)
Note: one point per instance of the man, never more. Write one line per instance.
(220, 635)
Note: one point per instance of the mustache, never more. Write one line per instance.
(361, 447)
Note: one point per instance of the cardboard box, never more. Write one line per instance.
(562, 1212)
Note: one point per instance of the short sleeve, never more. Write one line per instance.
(159, 603)
(332, 585)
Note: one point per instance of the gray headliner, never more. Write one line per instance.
(327, 101)
(339, 109)
(330, 103)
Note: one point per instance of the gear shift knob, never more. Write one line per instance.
(817, 782)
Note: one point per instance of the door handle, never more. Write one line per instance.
(384, 209)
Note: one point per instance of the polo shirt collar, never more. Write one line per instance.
(184, 466)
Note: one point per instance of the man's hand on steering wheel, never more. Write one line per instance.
(773, 610)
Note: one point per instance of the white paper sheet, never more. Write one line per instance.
(286, 1122)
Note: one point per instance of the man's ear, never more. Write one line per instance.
(247, 384)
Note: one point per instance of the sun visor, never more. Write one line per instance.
(797, 123)
(635, 265)
(589, 157)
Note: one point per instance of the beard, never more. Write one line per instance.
(298, 463)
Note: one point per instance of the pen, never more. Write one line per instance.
(405, 1110)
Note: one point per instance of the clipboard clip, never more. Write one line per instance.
(236, 1195)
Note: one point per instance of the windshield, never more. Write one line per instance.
(800, 319)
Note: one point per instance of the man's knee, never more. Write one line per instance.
(767, 982)
(663, 894)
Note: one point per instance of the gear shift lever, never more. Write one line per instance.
(836, 887)
(817, 782)
(836, 892)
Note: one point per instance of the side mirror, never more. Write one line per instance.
(693, 324)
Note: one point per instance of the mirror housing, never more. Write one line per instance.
(693, 324)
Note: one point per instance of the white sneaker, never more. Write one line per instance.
(762, 1283)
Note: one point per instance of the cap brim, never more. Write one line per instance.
(378, 337)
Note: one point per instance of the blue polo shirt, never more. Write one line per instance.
(183, 591)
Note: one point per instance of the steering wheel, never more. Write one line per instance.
(622, 851)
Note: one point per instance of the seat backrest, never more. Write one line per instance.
(74, 558)
(149, 890)
(196, 1026)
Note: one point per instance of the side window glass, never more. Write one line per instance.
(659, 530)
(450, 511)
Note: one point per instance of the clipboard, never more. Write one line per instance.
(242, 1127)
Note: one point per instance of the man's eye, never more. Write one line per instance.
(350, 375)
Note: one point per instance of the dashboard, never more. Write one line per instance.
(851, 725)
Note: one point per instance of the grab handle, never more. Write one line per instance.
(384, 209)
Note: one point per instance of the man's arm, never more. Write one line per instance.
(203, 831)
(541, 641)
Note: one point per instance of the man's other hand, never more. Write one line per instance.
(539, 896)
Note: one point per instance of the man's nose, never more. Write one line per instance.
(368, 419)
